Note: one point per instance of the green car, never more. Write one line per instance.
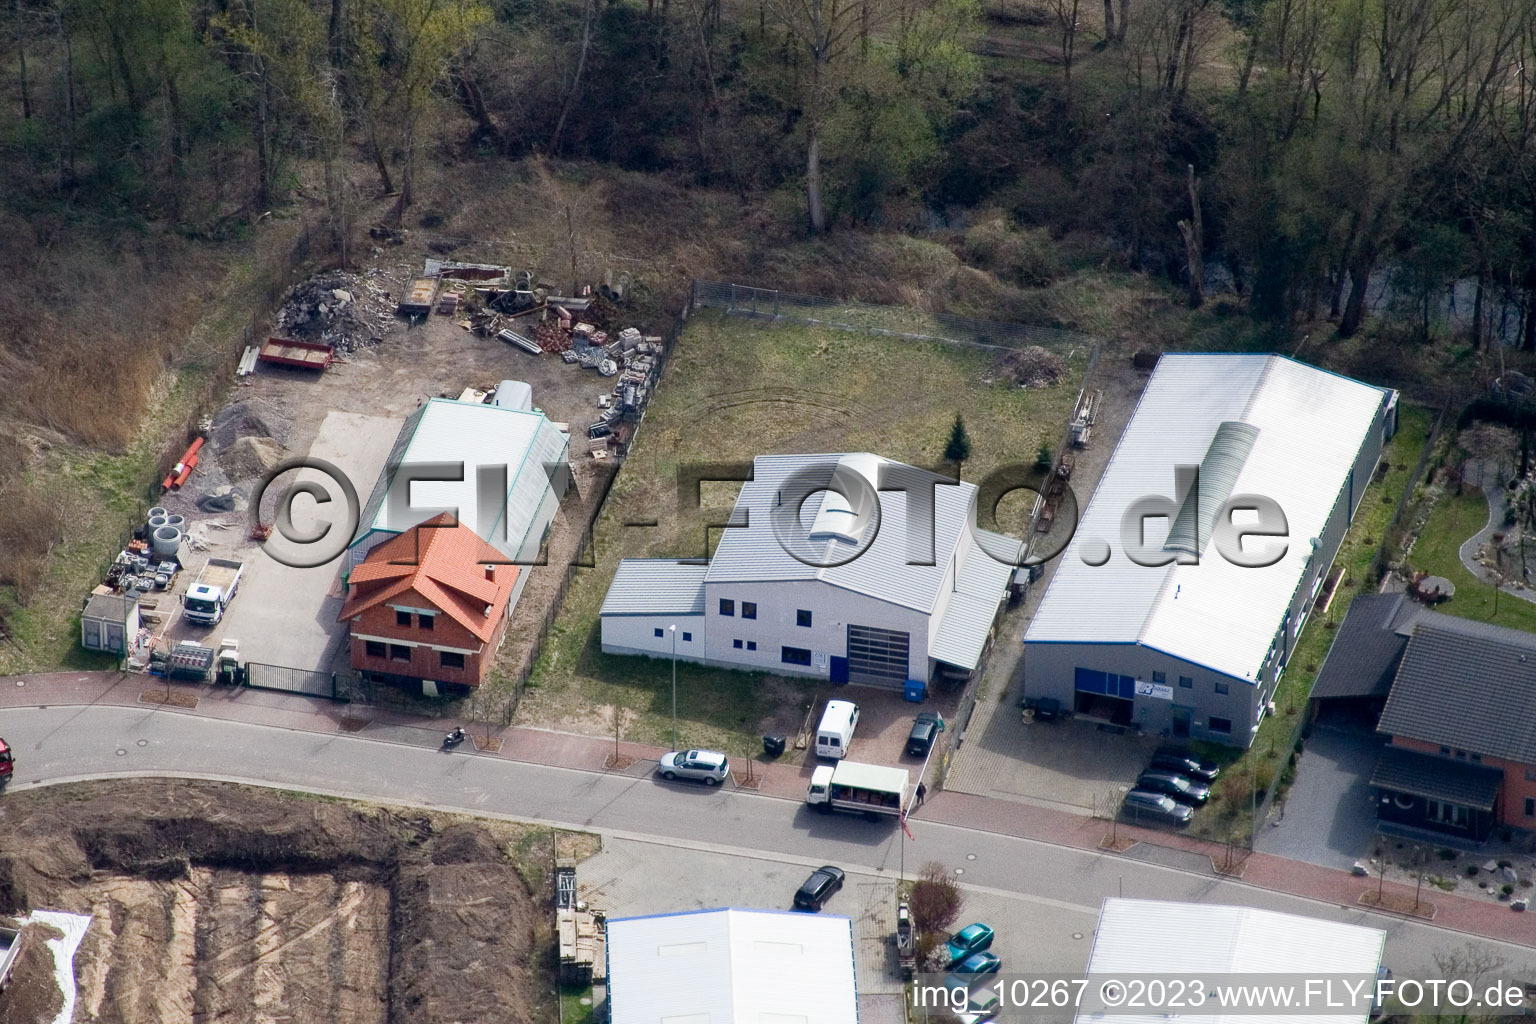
(973, 938)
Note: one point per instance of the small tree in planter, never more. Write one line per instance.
(935, 900)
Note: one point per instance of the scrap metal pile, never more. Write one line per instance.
(338, 309)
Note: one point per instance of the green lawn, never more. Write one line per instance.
(1455, 518)
(733, 389)
(1227, 816)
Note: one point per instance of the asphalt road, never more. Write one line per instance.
(76, 743)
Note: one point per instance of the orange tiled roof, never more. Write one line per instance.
(442, 561)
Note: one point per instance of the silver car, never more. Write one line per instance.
(710, 766)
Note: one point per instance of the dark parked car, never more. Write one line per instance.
(817, 889)
(1044, 709)
(1181, 787)
(1171, 759)
(1143, 805)
(925, 729)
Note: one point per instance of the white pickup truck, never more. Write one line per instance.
(873, 790)
(210, 594)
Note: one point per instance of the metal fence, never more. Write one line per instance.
(260, 676)
(887, 321)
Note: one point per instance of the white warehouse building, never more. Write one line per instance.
(513, 466)
(1194, 648)
(860, 601)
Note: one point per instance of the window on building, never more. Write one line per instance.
(1223, 688)
(658, 631)
(1530, 807)
(1160, 677)
(1223, 725)
(1445, 751)
(795, 656)
(687, 638)
(1478, 758)
(1530, 775)
(1187, 682)
(450, 659)
(727, 606)
(399, 652)
(736, 644)
(403, 619)
(749, 609)
(375, 648)
(802, 617)
(426, 622)
(751, 645)
(1461, 755)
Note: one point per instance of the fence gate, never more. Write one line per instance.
(290, 680)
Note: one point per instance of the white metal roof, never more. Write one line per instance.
(871, 776)
(731, 967)
(960, 634)
(1214, 943)
(1310, 427)
(752, 552)
(476, 435)
(656, 586)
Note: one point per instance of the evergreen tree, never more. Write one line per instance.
(959, 447)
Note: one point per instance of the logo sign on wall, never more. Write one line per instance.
(1158, 690)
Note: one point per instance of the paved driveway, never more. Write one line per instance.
(285, 616)
(1328, 817)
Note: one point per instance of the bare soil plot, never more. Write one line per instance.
(215, 902)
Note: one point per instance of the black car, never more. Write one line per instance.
(925, 729)
(1143, 806)
(1172, 759)
(817, 889)
(1181, 787)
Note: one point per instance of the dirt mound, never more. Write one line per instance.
(258, 903)
(342, 310)
(1033, 367)
(243, 419)
(251, 457)
(32, 994)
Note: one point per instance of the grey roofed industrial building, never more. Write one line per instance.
(1195, 649)
(863, 602)
(514, 469)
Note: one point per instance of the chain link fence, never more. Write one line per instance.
(887, 321)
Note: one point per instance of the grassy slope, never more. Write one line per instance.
(735, 389)
(1227, 814)
(103, 494)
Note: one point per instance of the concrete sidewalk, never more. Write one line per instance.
(783, 781)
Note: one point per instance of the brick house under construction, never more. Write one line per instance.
(429, 604)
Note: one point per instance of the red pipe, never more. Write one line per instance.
(183, 469)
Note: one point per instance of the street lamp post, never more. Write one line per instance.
(673, 629)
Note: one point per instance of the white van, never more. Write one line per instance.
(836, 729)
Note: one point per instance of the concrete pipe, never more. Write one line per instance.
(165, 541)
(155, 522)
(180, 522)
(158, 510)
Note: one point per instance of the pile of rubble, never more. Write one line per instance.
(339, 309)
(1033, 367)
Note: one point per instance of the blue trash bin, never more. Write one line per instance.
(917, 691)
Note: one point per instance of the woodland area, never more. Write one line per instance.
(1291, 154)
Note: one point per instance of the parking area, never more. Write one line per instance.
(631, 877)
(1069, 764)
(1329, 817)
(885, 720)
